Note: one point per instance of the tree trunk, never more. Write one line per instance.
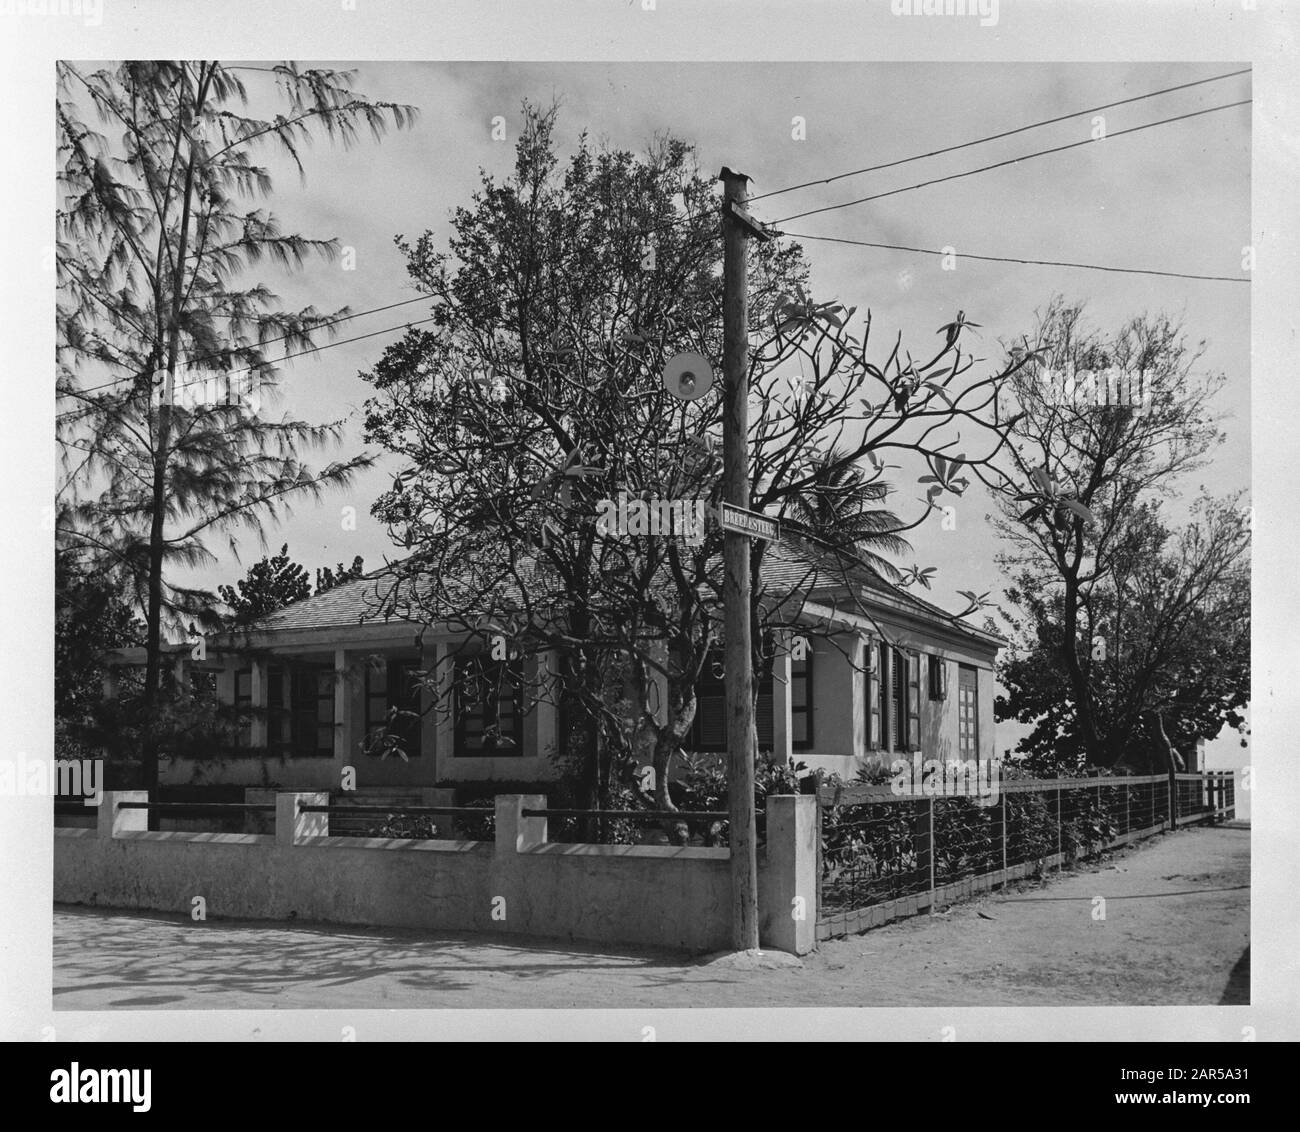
(1079, 684)
(153, 640)
(668, 741)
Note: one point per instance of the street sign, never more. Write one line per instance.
(733, 518)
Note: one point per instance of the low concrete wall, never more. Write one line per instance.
(520, 884)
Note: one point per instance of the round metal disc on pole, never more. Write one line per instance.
(688, 376)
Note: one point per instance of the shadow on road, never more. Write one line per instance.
(107, 950)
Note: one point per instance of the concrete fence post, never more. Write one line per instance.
(1005, 810)
(1060, 831)
(930, 846)
(293, 827)
(514, 832)
(112, 822)
(789, 920)
(507, 903)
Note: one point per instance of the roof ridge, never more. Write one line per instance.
(816, 555)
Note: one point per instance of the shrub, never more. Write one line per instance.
(702, 785)
(413, 826)
(476, 828)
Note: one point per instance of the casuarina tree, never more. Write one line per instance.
(167, 343)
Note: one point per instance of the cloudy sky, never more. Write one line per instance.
(1173, 198)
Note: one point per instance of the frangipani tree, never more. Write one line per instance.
(542, 451)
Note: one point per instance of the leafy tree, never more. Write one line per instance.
(327, 579)
(534, 407)
(1115, 606)
(1171, 636)
(91, 617)
(166, 352)
(270, 584)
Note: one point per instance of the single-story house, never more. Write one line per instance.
(880, 674)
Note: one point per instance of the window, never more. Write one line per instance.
(489, 707)
(968, 732)
(938, 678)
(393, 717)
(870, 720)
(882, 696)
(312, 727)
(709, 728)
(801, 717)
(898, 705)
(300, 703)
(894, 699)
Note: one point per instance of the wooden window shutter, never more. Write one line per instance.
(894, 676)
(913, 662)
(938, 678)
(871, 654)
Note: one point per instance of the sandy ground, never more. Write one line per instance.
(1175, 931)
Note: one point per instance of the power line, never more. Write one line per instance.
(1004, 134)
(342, 342)
(1013, 161)
(1012, 259)
(544, 292)
(296, 354)
(268, 342)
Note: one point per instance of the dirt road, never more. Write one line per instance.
(1175, 931)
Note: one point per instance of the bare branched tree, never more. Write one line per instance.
(1109, 429)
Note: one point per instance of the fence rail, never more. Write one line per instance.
(198, 807)
(480, 813)
(884, 855)
(397, 811)
(648, 815)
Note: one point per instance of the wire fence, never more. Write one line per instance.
(883, 855)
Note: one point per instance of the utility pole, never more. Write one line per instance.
(741, 736)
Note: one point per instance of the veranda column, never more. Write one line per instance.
(257, 690)
(342, 709)
(782, 718)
